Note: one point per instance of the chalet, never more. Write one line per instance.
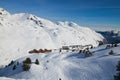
(40, 51)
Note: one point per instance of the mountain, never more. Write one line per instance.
(67, 66)
(111, 36)
(20, 33)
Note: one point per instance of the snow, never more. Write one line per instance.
(22, 32)
(67, 66)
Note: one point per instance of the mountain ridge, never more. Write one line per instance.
(22, 32)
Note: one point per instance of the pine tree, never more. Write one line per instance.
(17, 63)
(26, 67)
(118, 66)
(115, 45)
(111, 52)
(37, 62)
(28, 61)
(60, 50)
(26, 64)
(12, 62)
(91, 47)
(80, 51)
(117, 76)
(60, 79)
(14, 67)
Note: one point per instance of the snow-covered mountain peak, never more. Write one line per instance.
(23, 32)
(3, 12)
(30, 18)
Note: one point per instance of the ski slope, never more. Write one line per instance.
(67, 66)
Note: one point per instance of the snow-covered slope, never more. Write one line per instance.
(22, 32)
(67, 66)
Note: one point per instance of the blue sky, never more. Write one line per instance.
(91, 13)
